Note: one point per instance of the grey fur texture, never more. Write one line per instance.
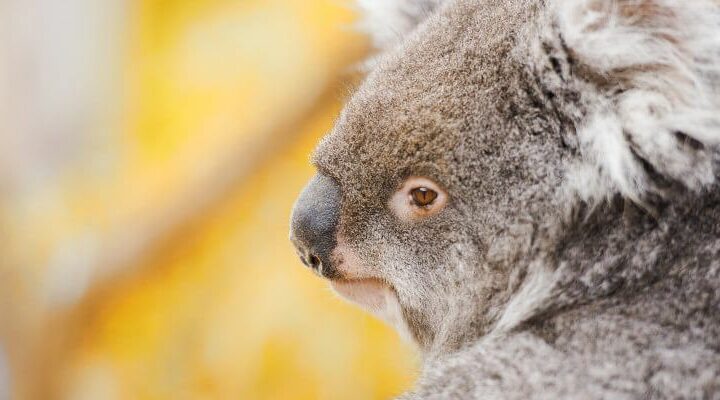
(579, 254)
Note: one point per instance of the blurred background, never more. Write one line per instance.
(150, 153)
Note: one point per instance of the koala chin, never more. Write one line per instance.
(527, 190)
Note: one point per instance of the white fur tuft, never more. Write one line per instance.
(389, 21)
(531, 296)
(658, 113)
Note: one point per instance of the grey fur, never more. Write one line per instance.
(523, 287)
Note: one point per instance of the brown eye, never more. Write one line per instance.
(423, 197)
(417, 198)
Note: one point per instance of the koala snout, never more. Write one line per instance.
(313, 224)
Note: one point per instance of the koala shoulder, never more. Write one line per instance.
(525, 365)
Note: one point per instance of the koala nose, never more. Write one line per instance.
(313, 224)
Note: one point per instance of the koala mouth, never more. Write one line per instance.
(360, 284)
(375, 296)
(369, 293)
(356, 283)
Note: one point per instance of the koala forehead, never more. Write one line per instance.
(381, 138)
(431, 108)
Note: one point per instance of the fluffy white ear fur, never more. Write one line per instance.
(660, 117)
(389, 21)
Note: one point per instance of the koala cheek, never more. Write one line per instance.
(348, 263)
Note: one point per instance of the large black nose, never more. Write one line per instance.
(313, 224)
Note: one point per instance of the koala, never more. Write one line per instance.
(527, 190)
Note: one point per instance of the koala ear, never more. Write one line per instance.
(389, 21)
(655, 67)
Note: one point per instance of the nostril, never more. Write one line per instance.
(314, 262)
(310, 260)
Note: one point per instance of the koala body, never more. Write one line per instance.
(527, 190)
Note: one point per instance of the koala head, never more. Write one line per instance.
(444, 177)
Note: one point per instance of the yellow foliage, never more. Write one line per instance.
(195, 291)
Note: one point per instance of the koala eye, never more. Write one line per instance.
(417, 198)
(423, 196)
